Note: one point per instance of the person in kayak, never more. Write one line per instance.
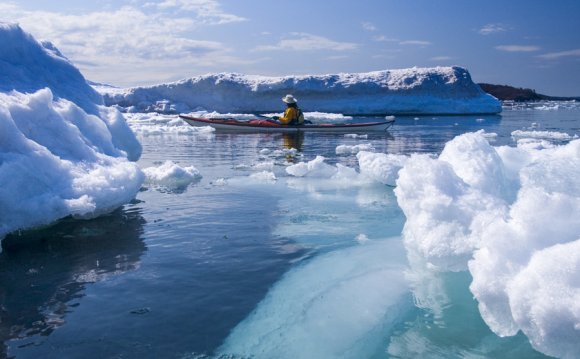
(293, 115)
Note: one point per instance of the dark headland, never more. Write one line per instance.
(510, 93)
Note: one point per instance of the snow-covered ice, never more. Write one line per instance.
(171, 176)
(353, 149)
(62, 152)
(439, 90)
(550, 135)
(510, 216)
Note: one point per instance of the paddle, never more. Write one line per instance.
(273, 118)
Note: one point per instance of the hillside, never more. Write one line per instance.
(510, 93)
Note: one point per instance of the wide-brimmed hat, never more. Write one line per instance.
(289, 99)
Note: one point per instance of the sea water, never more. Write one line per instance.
(256, 245)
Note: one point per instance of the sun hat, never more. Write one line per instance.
(289, 99)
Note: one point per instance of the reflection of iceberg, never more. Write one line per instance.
(44, 272)
(428, 334)
(339, 305)
(420, 132)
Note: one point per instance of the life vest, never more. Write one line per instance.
(299, 119)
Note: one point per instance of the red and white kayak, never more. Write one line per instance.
(267, 125)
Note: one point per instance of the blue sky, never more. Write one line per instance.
(533, 44)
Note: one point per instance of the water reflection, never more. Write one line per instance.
(43, 273)
(429, 134)
(293, 140)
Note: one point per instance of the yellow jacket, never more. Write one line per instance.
(292, 113)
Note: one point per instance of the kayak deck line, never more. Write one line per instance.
(267, 125)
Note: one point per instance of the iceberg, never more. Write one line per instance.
(438, 90)
(62, 152)
(509, 215)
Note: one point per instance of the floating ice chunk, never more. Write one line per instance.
(354, 135)
(549, 135)
(362, 238)
(349, 150)
(381, 167)
(172, 176)
(220, 182)
(314, 168)
(263, 176)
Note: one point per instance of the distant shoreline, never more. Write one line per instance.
(510, 93)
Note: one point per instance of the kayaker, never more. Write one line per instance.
(293, 115)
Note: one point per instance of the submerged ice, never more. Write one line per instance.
(338, 305)
(508, 215)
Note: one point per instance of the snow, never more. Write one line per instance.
(62, 152)
(171, 176)
(509, 216)
(439, 90)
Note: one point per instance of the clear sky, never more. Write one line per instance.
(523, 43)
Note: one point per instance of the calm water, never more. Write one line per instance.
(171, 274)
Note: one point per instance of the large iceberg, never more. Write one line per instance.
(439, 90)
(62, 152)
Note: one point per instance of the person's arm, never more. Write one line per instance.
(289, 115)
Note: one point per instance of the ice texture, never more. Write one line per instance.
(62, 152)
(338, 305)
(438, 90)
(510, 215)
(172, 176)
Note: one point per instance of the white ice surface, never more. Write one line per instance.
(441, 90)
(61, 151)
(171, 176)
(510, 216)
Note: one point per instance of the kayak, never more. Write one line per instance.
(268, 125)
